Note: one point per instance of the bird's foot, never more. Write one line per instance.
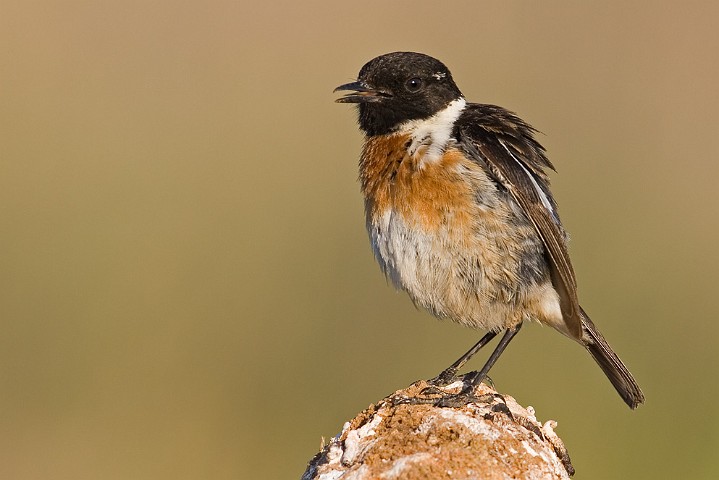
(446, 377)
(447, 399)
(447, 390)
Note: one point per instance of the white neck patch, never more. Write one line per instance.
(433, 132)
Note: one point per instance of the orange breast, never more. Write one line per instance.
(427, 194)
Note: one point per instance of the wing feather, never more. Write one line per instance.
(506, 146)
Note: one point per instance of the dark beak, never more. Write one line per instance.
(360, 92)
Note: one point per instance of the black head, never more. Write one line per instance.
(397, 87)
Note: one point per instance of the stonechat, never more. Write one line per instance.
(460, 215)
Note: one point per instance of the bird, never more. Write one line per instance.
(460, 215)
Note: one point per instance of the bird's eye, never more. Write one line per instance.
(414, 85)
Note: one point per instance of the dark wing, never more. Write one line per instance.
(504, 144)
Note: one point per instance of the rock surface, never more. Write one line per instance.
(406, 436)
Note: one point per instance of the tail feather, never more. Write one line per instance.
(610, 363)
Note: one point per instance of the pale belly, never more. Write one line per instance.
(482, 278)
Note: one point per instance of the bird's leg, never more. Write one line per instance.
(448, 374)
(476, 378)
(471, 380)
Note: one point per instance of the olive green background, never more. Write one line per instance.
(186, 287)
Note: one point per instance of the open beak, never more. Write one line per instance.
(360, 92)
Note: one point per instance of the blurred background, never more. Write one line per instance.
(186, 286)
